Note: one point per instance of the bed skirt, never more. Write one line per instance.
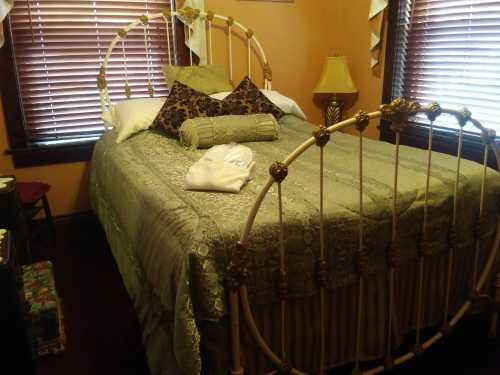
(341, 308)
(158, 324)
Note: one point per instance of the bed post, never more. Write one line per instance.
(495, 305)
(495, 293)
(235, 333)
(235, 279)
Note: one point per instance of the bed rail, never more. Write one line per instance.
(397, 113)
(188, 14)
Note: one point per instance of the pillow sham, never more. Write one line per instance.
(286, 104)
(247, 99)
(184, 103)
(205, 132)
(207, 79)
(130, 116)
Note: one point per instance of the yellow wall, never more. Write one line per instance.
(297, 37)
(69, 181)
(294, 39)
(353, 31)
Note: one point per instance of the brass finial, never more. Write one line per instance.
(392, 252)
(418, 349)
(284, 368)
(322, 135)
(237, 269)
(398, 112)
(362, 120)
(122, 33)
(268, 73)
(463, 117)
(101, 78)
(249, 33)
(230, 21)
(189, 14)
(278, 171)
(210, 15)
(433, 111)
(128, 91)
(362, 261)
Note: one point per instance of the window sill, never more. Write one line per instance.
(442, 141)
(36, 155)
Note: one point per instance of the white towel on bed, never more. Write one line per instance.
(222, 168)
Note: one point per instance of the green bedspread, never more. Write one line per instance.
(172, 245)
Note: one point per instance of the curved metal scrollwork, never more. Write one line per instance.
(188, 14)
(399, 112)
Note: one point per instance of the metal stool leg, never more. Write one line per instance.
(48, 218)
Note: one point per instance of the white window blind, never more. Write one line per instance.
(58, 46)
(449, 51)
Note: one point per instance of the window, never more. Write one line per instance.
(446, 51)
(52, 58)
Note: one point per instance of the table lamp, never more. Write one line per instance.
(335, 79)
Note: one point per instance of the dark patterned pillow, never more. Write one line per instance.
(248, 99)
(184, 103)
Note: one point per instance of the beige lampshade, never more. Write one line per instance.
(335, 78)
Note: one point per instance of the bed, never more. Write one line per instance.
(315, 263)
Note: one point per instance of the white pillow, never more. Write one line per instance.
(132, 115)
(286, 104)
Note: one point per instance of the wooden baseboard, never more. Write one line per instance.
(74, 218)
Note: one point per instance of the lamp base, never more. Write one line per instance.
(333, 112)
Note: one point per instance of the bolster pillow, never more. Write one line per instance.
(205, 132)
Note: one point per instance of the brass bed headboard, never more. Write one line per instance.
(190, 15)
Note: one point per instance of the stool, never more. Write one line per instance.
(32, 196)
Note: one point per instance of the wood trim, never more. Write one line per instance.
(74, 218)
(53, 154)
(443, 141)
(9, 91)
(181, 50)
(390, 50)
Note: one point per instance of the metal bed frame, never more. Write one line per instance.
(398, 112)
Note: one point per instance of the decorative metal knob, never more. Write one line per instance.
(278, 171)
(322, 135)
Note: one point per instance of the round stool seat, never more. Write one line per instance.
(31, 192)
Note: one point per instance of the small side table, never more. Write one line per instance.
(12, 218)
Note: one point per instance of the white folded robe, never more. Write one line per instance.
(218, 176)
(224, 168)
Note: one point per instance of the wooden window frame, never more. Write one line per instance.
(444, 141)
(25, 154)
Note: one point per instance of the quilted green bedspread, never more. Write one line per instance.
(172, 245)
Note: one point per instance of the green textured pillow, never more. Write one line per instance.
(205, 132)
(207, 79)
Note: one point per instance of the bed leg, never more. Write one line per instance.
(234, 315)
(496, 306)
